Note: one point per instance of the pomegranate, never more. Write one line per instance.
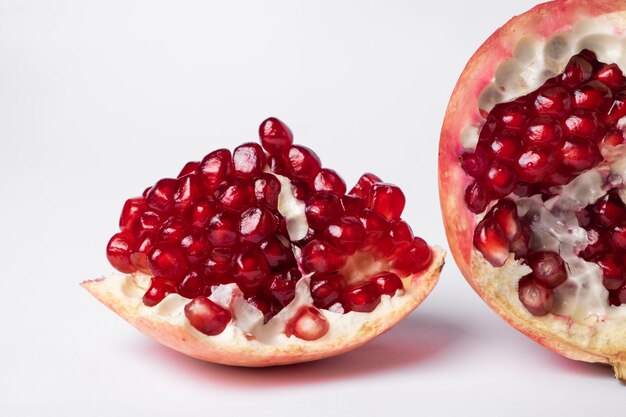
(261, 257)
(532, 169)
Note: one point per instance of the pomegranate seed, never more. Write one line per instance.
(329, 180)
(413, 259)
(301, 190)
(491, 241)
(505, 215)
(281, 224)
(235, 194)
(326, 289)
(320, 256)
(118, 252)
(133, 208)
(476, 198)
(553, 101)
(504, 147)
(536, 297)
(363, 297)
(159, 289)
(223, 229)
(363, 185)
(310, 235)
(167, 260)
(188, 189)
(256, 225)
(282, 285)
(616, 110)
(548, 268)
(192, 285)
(476, 163)
(543, 130)
(591, 95)
(352, 205)
(277, 251)
(611, 75)
(195, 246)
(215, 168)
(266, 189)
(263, 305)
(609, 210)
(618, 236)
(302, 163)
(248, 160)
(277, 164)
(387, 200)
(613, 137)
(618, 297)
(321, 208)
(206, 316)
(139, 256)
(200, 212)
(534, 164)
(173, 229)
(595, 244)
(612, 270)
(275, 136)
(346, 234)
(376, 226)
(387, 282)
(512, 115)
(250, 269)
(500, 178)
(189, 168)
(161, 196)
(577, 71)
(520, 245)
(583, 124)
(218, 267)
(147, 222)
(400, 233)
(578, 154)
(307, 324)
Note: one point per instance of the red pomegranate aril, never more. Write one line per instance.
(521, 245)
(277, 164)
(613, 137)
(346, 233)
(596, 244)
(326, 289)
(579, 154)
(476, 197)
(387, 200)
(612, 270)
(577, 71)
(195, 246)
(352, 205)
(553, 101)
(543, 130)
(400, 232)
(364, 184)
(491, 241)
(223, 229)
(119, 252)
(616, 110)
(505, 215)
(167, 260)
(618, 236)
(139, 256)
(500, 178)
(535, 296)
(188, 189)
(192, 285)
(363, 297)
(200, 212)
(159, 289)
(583, 124)
(276, 137)
(281, 286)
(592, 96)
(329, 180)
(388, 283)
(413, 259)
(263, 305)
(147, 222)
(256, 225)
(161, 196)
(266, 190)
(376, 226)
(218, 266)
(301, 190)
(302, 163)
(250, 269)
(534, 164)
(611, 75)
(548, 268)
(206, 316)
(133, 208)
(215, 168)
(235, 194)
(475, 163)
(512, 115)
(277, 251)
(609, 210)
(618, 297)
(504, 147)
(173, 229)
(307, 324)
(321, 208)
(320, 256)
(189, 168)
(248, 160)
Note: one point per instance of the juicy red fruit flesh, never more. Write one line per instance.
(218, 223)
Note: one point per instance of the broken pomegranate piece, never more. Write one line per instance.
(533, 177)
(260, 257)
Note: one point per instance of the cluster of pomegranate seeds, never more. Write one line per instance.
(542, 140)
(219, 222)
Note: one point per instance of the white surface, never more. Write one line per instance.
(100, 99)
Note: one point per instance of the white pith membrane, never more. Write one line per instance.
(581, 310)
(123, 293)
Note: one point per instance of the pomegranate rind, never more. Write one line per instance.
(178, 334)
(560, 334)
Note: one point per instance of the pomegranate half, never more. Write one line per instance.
(532, 176)
(261, 257)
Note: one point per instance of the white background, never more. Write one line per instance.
(100, 99)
